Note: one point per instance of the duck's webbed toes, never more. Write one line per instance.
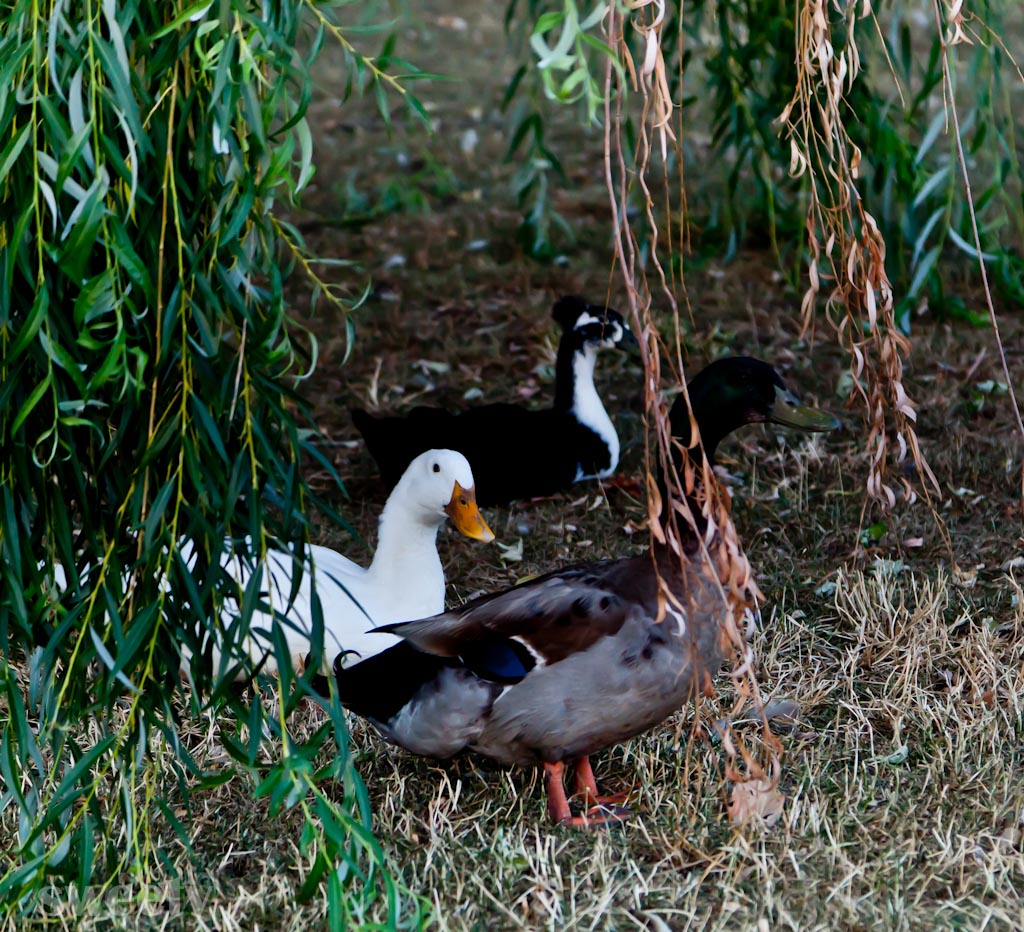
(603, 815)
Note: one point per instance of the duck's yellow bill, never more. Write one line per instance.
(465, 515)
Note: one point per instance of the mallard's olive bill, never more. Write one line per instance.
(788, 411)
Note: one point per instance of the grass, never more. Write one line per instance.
(903, 658)
(904, 801)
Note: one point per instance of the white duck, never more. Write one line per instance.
(405, 580)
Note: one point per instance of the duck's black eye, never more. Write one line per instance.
(437, 468)
(463, 502)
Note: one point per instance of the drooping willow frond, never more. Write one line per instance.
(151, 421)
(753, 772)
(847, 249)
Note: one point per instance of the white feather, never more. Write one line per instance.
(404, 582)
(590, 412)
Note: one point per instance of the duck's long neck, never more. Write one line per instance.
(566, 375)
(575, 392)
(404, 540)
(714, 428)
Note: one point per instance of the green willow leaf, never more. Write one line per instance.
(151, 420)
(13, 149)
(33, 399)
(190, 14)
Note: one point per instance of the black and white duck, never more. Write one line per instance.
(517, 452)
(574, 661)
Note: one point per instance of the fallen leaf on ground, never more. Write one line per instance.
(755, 800)
(966, 577)
(511, 553)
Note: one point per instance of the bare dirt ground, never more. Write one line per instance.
(904, 771)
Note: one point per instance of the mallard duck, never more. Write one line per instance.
(404, 581)
(516, 452)
(574, 661)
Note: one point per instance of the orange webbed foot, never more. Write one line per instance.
(603, 811)
(586, 786)
(601, 816)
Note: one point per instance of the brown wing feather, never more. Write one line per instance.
(555, 615)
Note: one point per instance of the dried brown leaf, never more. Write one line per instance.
(757, 801)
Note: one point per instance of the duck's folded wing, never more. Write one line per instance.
(503, 636)
(332, 565)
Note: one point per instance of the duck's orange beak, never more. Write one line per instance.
(465, 515)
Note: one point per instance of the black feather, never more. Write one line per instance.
(380, 686)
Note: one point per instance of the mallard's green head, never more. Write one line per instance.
(741, 390)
